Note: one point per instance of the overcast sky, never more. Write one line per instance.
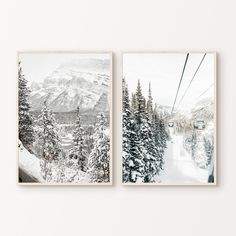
(37, 66)
(163, 71)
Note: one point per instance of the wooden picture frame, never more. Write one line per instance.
(101, 61)
(129, 77)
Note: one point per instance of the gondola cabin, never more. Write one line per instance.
(199, 124)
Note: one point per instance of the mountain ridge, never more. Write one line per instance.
(67, 87)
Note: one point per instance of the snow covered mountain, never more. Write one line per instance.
(204, 109)
(165, 111)
(73, 84)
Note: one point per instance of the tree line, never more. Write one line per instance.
(144, 136)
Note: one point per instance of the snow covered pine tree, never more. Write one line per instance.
(133, 166)
(158, 136)
(26, 130)
(150, 151)
(149, 103)
(143, 144)
(126, 125)
(79, 150)
(49, 140)
(99, 158)
(163, 135)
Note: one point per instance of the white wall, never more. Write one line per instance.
(118, 25)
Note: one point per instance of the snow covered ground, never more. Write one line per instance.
(29, 164)
(179, 167)
(29, 169)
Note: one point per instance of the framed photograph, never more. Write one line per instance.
(64, 118)
(169, 118)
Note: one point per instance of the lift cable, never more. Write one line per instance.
(192, 79)
(204, 92)
(180, 82)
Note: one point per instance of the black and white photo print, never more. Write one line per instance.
(64, 118)
(169, 118)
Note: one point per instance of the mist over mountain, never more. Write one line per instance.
(203, 109)
(164, 110)
(92, 65)
(80, 82)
